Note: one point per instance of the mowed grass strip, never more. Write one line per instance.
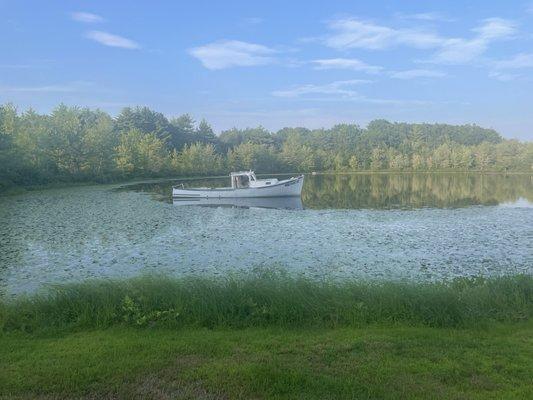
(370, 362)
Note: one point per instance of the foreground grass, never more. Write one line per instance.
(370, 362)
(270, 300)
(269, 335)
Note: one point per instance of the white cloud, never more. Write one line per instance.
(108, 39)
(232, 53)
(346, 63)
(15, 66)
(495, 28)
(353, 33)
(339, 88)
(341, 91)
(522, 60)
(501, 68)
(86, 17)
(426, 16)
(502, 76)
(61, 88)
(417, 73)
(460, 51)
(37, 89)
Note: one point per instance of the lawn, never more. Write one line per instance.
(371, 362)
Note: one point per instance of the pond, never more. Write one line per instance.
(367, 226)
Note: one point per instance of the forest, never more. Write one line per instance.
(73, 144)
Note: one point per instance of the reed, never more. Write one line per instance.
(269, 299)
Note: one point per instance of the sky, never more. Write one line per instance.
(276, 63)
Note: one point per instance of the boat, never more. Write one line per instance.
(279, 203)
(245, 184)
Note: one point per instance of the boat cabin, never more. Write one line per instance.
(247, 179)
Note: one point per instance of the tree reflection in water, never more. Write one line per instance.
(386, 190)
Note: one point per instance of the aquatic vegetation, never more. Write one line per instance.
(394, 227)
(270, 299)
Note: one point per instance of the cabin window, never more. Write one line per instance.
(244, 181)
(267, 183)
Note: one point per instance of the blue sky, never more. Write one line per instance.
(276, 63)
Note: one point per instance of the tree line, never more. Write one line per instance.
(73, 144)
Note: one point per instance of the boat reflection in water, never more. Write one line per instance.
(282, 203)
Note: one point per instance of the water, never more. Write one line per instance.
(370, 226)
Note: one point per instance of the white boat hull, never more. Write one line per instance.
(285, 188)
(281, 203)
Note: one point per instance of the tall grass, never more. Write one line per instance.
(269, 299)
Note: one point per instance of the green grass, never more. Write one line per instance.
(270, 299)
(270, 335)
(262, 363)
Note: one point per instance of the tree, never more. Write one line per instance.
(199, 159)
(353, 163)
(442, 156)
(182, 131)
(100, 141)
(204, 133)
(144, 120)
(144, 154)
(417, 162)
(298, 157)
(65, 140)
(78, 144)
(378, 159)
(253, 156)
(8, 122)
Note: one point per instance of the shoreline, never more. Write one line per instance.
(21, 189)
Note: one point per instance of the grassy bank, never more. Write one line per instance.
(270, 336)
(270, 299)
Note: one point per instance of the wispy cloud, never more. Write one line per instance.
(108, 39)
(38, 89)
(358, 65)
(56, 88)
(522, 60)
(495, 28)
(341, 91)
(504, 70)
(232, 53)
(502, 76)
(337, 88)
(352, 33)
(15, 66)
(426, 16)
(346, 63)
(417, 73)
(86, 17)
(460, 51)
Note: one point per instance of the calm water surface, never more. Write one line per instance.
(370, 226)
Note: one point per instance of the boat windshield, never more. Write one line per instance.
(241, 181)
